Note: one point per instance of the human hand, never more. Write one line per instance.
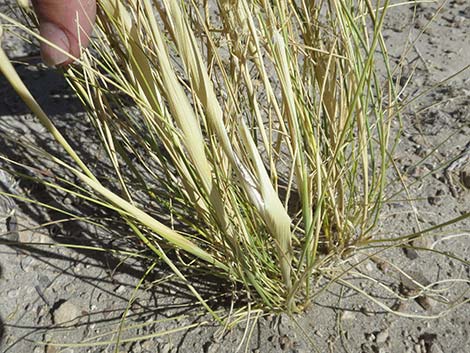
(58, 24)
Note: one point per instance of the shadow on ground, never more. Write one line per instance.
(56, 98)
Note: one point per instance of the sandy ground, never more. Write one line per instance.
(54, 294)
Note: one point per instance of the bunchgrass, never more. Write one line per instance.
(262, 129)
(250, 141)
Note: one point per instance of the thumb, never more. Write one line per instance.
(67, 24)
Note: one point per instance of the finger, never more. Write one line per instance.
(67, 24)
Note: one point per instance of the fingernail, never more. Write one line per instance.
(55, 35)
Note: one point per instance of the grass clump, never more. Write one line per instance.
(259, 130)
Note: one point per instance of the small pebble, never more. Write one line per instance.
(383, 266)
(284, 322)
(43, 281)
(284, 342)
(433, 200)
(424, 302)
(367, 348)
(28, 264)
(366, 312)
(12, 293)
(411, 284)
(382, 337)
(399, 306)
(51, 349)
(211, 347)
(410, 253)
(121, 289)
(348, 315)
(148, 345)
(66, 313)
(427, 340)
